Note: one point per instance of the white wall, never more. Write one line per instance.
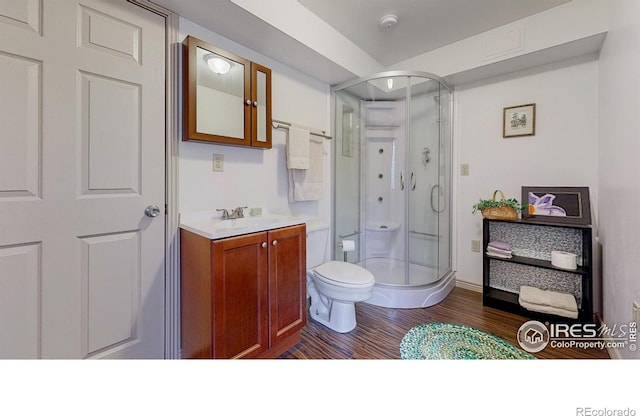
(255, 177)
(563, 152)
(619, 184)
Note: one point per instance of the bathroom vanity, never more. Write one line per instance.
(243, 286)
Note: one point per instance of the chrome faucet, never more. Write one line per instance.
(235, 213)
(225, 213)
(238, 212)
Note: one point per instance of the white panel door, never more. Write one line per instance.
(82, 151)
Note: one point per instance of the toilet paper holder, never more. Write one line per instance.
(347, 246)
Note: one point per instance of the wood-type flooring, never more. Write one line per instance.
(379, 330)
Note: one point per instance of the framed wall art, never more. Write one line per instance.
(567, 205)
(519, 121)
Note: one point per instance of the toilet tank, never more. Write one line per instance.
(317, 235)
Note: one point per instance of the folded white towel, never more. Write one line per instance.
(298, 148)
(556, 300)
(498, 251)
(307, 185)
(548, 309)
(498, 255)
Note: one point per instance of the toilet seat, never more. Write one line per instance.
(343, 274)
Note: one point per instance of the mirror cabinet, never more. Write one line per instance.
(226, 98)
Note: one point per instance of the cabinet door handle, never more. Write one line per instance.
(248, 102)
(275, 242)
(264, 244)
(255, 103)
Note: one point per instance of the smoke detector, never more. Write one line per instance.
(388, 21)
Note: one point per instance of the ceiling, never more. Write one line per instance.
(423, 25)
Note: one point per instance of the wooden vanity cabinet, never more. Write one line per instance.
(231, 107)
(245, 296)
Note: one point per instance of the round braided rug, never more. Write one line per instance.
(440, 341)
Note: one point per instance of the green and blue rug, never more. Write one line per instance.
(440, 341)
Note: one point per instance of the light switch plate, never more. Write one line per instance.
(464, 169)
(218, 163)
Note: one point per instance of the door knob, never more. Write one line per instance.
(275, 242)
(152, 211)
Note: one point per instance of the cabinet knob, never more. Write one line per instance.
(255, 103)
(264, 244)
(275, 242)
(248, 102)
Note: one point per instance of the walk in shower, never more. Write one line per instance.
(392, 172)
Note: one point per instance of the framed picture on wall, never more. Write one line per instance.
(567, 205)
(519, 121)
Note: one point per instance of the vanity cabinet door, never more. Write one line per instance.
(287, 282)
(240, 301)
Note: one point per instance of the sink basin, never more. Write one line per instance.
(209, 225)
(239, 223)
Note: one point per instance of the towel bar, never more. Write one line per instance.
(278, 124)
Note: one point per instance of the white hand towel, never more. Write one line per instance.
(298, 148)
(307, 185)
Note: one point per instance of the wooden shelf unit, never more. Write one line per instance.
(507, 300)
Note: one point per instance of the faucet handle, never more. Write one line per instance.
(239, 212)
(225, 213)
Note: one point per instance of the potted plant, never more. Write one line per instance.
(502, 209)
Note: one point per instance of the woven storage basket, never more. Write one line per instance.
(500, 213)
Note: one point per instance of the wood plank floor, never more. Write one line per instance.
(380, 330)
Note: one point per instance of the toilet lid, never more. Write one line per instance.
(342, 272)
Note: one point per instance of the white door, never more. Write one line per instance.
(82, 139)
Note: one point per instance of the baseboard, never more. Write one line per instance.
(469, 286)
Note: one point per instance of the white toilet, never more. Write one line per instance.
(335, 286)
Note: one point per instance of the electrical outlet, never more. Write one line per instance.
(476, 246)
(218, 163)
(464, 169)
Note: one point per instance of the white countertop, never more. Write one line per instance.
(208, 224)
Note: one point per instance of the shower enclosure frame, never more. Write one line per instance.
(394, 295)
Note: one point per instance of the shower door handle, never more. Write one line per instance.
(433, 207)
(413, 182)
(401, 181)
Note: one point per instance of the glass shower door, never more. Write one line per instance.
(442, 201)
(347, 213)
(423, 182)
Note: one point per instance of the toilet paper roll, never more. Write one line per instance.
(564, 259)
(348, 245)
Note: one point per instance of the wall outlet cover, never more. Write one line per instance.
(218, 163)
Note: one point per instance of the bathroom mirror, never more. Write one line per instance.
(217, 97)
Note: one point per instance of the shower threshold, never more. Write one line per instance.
(424, 290)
